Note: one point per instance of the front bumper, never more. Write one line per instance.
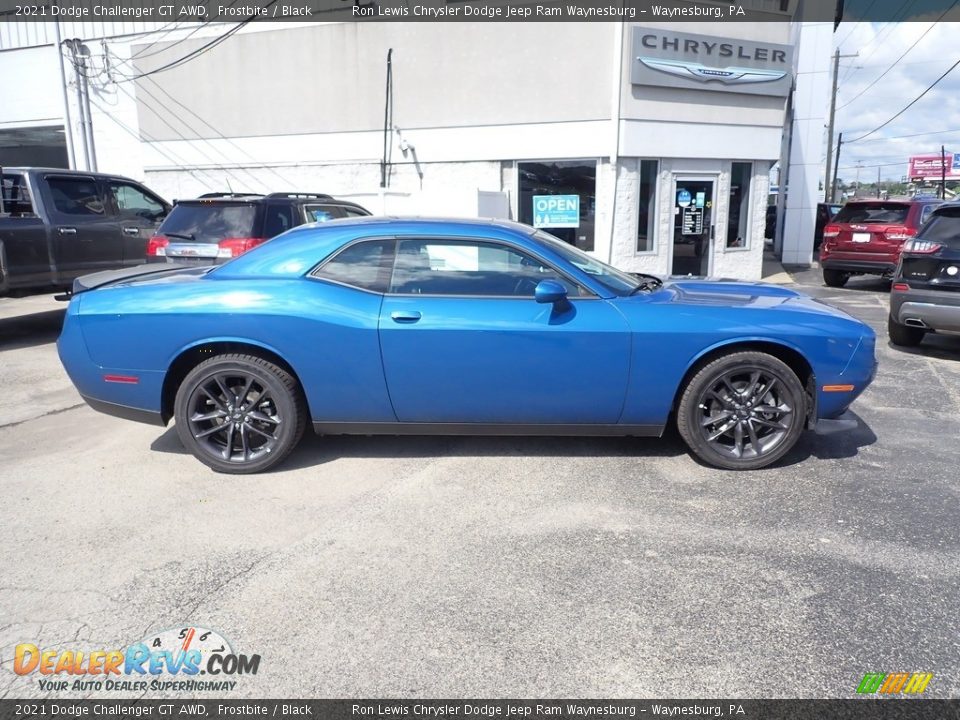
(934, 309)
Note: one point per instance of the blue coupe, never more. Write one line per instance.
(394, 326)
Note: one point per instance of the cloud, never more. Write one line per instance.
(864, 103)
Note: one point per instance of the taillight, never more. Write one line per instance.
(901, 287)
(831, 231)
(157, 246)
(921, 246)
(234, 247)
(899, 233)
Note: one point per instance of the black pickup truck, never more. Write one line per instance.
(56, 225)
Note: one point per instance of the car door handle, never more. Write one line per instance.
(405, 316)
(132, 230)
(67, 231)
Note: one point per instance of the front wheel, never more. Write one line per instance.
(742, 411)
(239, 413)
(904, 335)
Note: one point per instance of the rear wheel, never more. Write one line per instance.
(835, 278)
(904, 335)
(239, 413)
(742, 411)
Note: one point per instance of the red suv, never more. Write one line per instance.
(865, 237)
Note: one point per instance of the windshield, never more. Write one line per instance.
(616, 281)
(883, 213)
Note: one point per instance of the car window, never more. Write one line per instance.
(76, 196)
(131, 200)
(278, 219)
(16, 195)
(364, 265)
(925, 212)
(209, 222)
(943, 228)
(320, 212)
(354, 212)
(471, 268)
(883, 213)
(617, 281)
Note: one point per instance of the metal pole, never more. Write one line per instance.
(386, 119)
(72, 45)
(836, 165)
(943, 173)
(878, 183)
(67, 122)
(830, 124)
(84, 53)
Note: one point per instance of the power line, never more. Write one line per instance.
(883, 74)
(909, 105)
(913, 135)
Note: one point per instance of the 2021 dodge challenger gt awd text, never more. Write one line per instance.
(394, 326)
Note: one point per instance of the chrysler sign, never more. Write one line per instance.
(683, 60)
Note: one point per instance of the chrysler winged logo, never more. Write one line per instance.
(703, 73)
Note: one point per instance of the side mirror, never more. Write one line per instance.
(550, 291)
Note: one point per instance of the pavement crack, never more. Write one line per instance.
(46, 414)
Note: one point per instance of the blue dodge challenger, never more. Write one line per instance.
(394, 326)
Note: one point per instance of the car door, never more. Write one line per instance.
(83, 226)
(139, 212)
(464, 341)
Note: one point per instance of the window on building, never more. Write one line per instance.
(648, 205)
(451, 267)
(561, 198)
(364, 265)
(76, 196)
(738, 214)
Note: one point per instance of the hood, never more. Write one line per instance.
(742, 294)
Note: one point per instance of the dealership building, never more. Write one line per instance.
(649, 145)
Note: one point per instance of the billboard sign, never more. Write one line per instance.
(930, 167)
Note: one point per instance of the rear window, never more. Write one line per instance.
(209, 222)
(16, 195)
(943, 227)
(873, 213)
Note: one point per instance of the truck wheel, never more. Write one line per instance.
(904, 335)
(239, 413)
(835, 278)
(742, 411)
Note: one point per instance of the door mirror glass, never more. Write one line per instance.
(550, 291)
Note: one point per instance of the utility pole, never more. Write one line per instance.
(878, 183)
(833, 110)
(943, 173)
(836, 166)
(79, 54)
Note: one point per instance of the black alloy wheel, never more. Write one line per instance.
(742, 411)
(239, 413)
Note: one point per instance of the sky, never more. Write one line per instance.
(864, 102)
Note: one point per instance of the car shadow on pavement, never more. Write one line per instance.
(316, 450)
(934, 345)
(30, 330)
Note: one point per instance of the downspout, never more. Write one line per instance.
(67, 122)
(615, 99)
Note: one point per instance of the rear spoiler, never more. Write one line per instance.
(85, 283)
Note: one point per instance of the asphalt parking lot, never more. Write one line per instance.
(486, 567)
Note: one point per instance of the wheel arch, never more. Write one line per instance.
(192, 355)
(790, 355)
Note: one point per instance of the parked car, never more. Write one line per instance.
(56, 225)
(865, 237)
(925, 296)
(391, 326)
(825, 212)
(219, 226)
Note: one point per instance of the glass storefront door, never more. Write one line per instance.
(694, 206)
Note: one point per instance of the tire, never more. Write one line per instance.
(712, 407)
(904, 335)
(835, 278)
(260, 430)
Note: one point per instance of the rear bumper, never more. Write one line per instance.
(934, 309)
(837, 261)
(123, 411)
